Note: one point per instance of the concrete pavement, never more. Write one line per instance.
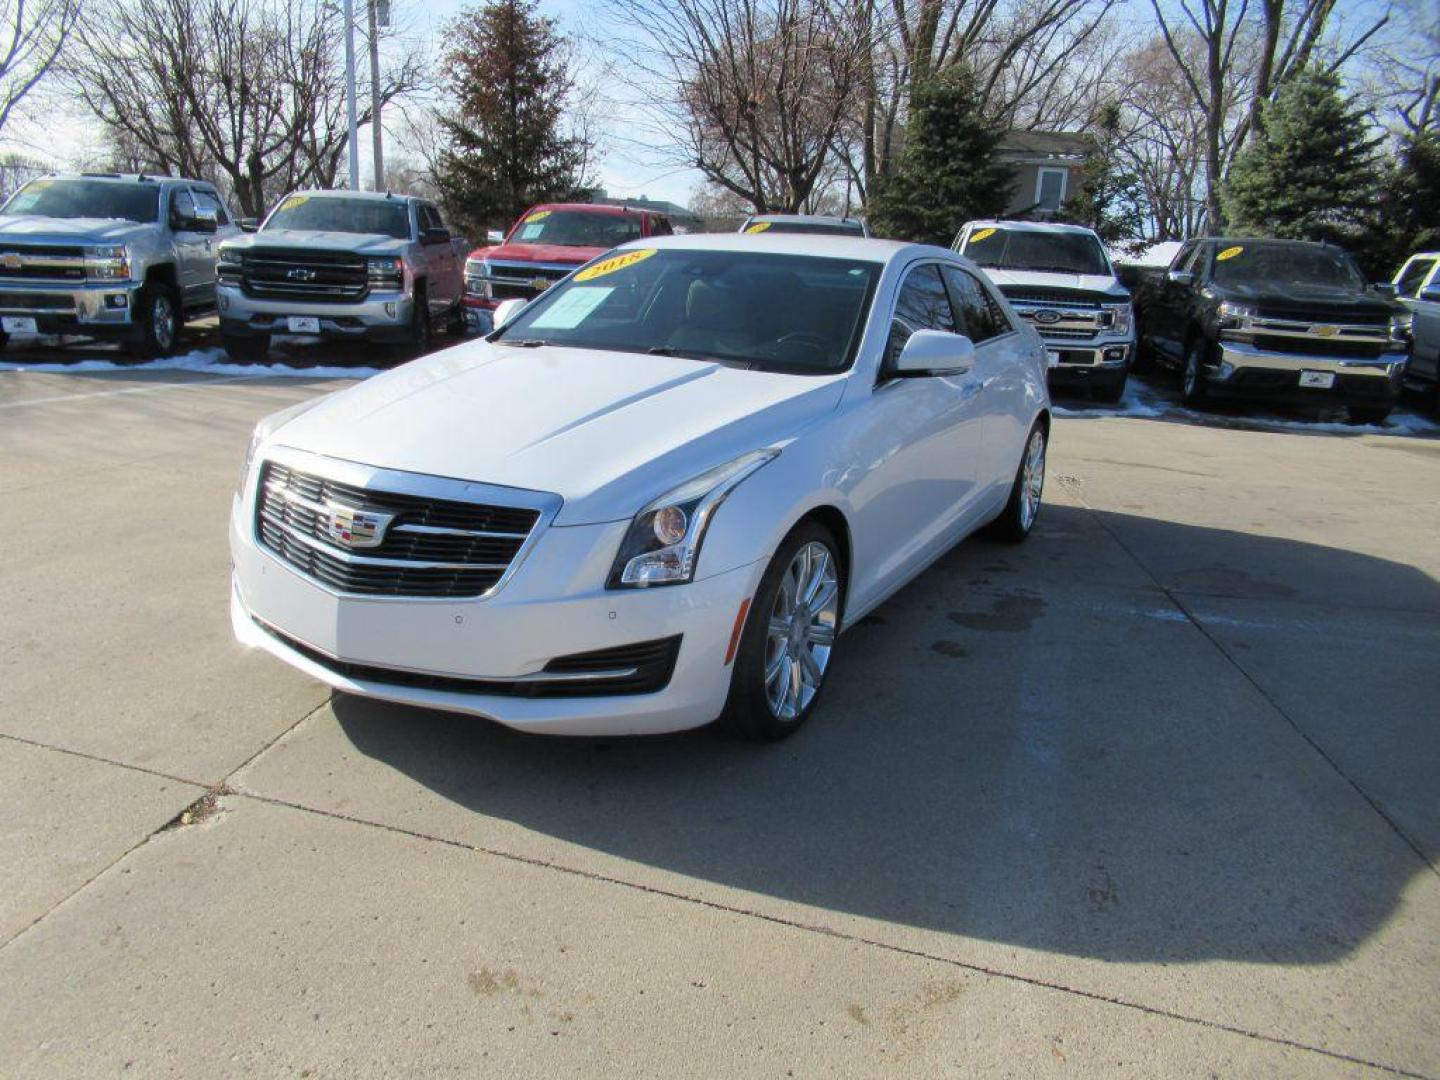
(1150, 795)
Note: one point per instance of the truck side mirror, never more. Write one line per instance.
(248, 224)
(1183, 278)
(204, 219)
(434, 236)
(1386, 289)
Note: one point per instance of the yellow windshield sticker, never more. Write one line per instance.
(759, 226)
(293, 201)
(981, 234)
(539, 215)
(1228, 253)
(614, 263)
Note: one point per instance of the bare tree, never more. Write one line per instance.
(246, 92)
(32, 35)
(758, 89)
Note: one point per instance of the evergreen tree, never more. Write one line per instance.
(505, 148)
(949, 171)
(1313, 173)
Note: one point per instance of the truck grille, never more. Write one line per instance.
(430, 547)
(1318, 346)
(311, 276)
(1059, 315)
(41, 262)
(521, 281)
(18, 301)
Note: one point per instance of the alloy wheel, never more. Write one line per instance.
(1032, 479)
(803, 622)
(163, 321)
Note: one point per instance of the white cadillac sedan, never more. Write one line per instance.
(655, 496)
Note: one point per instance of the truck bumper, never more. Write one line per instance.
(479, 313)
(1242, 370)
(94, 309)
(1089, 364)
(381, 317)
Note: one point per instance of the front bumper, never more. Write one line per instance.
(1080, 364)
(1243, 370)
(381, 316)
(95, 309)
(554, 606)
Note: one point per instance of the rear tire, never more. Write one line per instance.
(1018, 518)
(786, 647)
(159, 320)
(246, 349)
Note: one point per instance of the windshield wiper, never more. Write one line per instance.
(692, 354)
(524, 343)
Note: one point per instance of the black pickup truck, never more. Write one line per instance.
(1275, 319)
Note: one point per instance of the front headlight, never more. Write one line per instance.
(230, 257)
(108, 262)
(1119, 318)
(267, 427)
(1402, 327)
(386, 273)
(1233, 315)
(477, 273)
(662, 545)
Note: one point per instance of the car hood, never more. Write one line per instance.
(606, 431)
(68, 230)
(542, 253)
(1096, 283)
(1307, 300)
(309, 240)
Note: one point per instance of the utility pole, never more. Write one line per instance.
(350, 93)
(378, 18)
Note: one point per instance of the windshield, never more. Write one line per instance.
(1285, 264)
(828, 228)
(390, 217)
(83, 198)
(1025, 249)
(576, 228)
(773, 312)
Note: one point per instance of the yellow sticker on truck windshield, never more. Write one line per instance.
(293, 201)
(539, 215)
(759, 226)
(1228, 253)
(981, 234)
(614, 263)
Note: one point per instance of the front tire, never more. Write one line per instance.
(419, 335)
(1192, 379)
(789, 637)
(1018, 518)
(158, 319)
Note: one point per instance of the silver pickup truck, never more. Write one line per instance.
(344, 265)
(125, 258)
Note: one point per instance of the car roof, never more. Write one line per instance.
(1029, 226)
(597, 208)
(809, 219)
(129, 178)
(862, 249)
(346, 193)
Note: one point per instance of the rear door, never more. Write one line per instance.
(442, 262)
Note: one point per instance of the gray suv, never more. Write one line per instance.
(125, 258)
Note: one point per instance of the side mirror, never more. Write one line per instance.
(1431, 295)
(507, 310)
(935, 352)
(1386, 289)
(434, 236)
(203, 220)
(1183, 278)
(248, 224)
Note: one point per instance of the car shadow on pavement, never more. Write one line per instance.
(1009, 750)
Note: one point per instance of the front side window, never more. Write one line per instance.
(380, 217)
(1042, 250)
(576, 228)
(923, 304)
(787, 313)
(1414, 277)
(980, 317)
(59, 197)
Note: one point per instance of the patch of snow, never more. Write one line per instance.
(1137, 401)
(206, 361)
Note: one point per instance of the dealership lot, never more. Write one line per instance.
(1154, 793)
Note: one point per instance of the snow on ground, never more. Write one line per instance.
(1143, 401)
(212, 361)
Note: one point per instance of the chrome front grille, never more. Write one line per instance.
(41, 262)
(323, 276)
(1060, 316)
(523, 281)
(428, 548)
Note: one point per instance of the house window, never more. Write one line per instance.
(1050, 188)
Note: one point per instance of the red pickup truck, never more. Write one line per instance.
(548, 242)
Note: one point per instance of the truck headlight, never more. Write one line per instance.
(1119, 318)
(662, 545)
(477, 275)
(1233, 315)
(229, 264)
(107, 262)
(386, 273)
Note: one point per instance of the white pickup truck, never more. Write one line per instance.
(344, 265)
(1059, 279)
(1417, 286)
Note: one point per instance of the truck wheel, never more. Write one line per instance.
(1192, 380)
(1368, 416)
(246, 349)
(419, 336)
(158, 319)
